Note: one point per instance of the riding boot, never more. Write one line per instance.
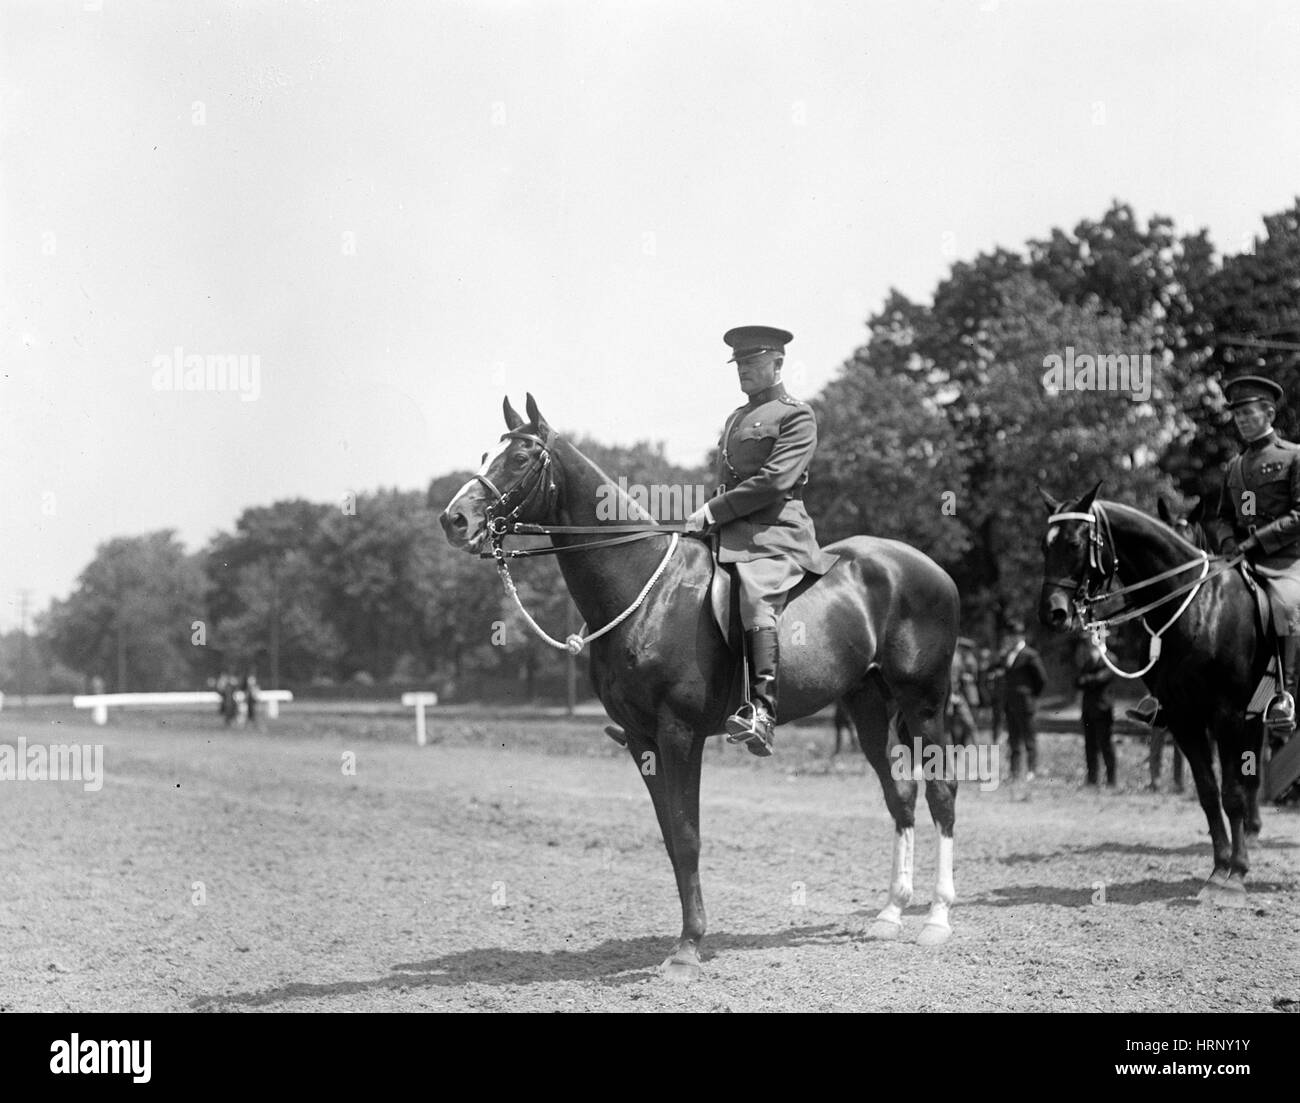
(1279, 715)
(753, 722)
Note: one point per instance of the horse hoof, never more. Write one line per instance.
(884, 930)
(1224, 894)
(681, 972)
(934, 934)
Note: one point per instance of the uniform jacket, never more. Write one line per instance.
(1024, 680)
(1094, 679)
(1270, 469)
(763, 457)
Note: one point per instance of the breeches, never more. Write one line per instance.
(764, 585)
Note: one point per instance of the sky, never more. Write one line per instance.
(398, 213)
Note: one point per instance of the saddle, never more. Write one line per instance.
(1277, 599)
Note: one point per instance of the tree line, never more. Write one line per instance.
(937, 431)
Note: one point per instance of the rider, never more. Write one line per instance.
(758, 512)
(1259, 513)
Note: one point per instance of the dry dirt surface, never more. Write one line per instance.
(515, 865)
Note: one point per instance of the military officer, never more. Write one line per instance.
(759, 515)
(1259, 512)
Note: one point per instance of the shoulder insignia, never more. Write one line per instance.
(790, 400)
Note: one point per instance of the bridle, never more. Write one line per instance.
(1101, 543)
(540, 479)
(537, 479)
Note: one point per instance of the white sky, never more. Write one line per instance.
(573, 199)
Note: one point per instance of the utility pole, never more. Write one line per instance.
(275, 625)
(23, 595)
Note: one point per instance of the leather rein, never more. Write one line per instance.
(538, 480)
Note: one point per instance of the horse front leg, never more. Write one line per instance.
(1239, 764)
(673, 769)
(1191, 738)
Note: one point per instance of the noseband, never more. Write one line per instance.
(536, 480)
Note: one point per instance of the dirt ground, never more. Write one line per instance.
(515, 865)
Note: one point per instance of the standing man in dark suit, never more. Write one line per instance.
(1023, 683)
(1098, 711)
(758, 512)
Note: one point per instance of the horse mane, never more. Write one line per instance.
(634, 510)
(1137, 514)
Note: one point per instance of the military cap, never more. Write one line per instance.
(1250, 388)
(746, 340)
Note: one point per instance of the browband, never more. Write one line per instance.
(1090, 517)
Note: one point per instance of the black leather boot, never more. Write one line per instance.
(1279, 714)
(753, 722)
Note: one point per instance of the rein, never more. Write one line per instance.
(1098, 629)
(500, 526)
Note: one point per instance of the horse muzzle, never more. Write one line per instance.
(1055, 607)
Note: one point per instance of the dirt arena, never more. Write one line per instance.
(515, 865)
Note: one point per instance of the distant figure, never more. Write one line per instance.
(228, 707)
(1024, 682)
(1098, 714)
(1159, 737)
(961, 721)
(249, 687)
(97, 685)
(843, 725)
(994, 692)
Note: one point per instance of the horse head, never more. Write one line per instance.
(514, 483)
(1076, 560)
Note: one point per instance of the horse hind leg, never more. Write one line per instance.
(926, 716)
(877, 729)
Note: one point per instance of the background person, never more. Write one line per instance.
(1097, 711)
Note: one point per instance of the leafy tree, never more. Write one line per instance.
(131, 617)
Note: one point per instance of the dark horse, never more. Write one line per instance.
(1210, 659)
(878, 631)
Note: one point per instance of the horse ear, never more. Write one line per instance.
(513, 420)
(1162, 508)
(1085, 503)
(530, 404)
(1053, 506)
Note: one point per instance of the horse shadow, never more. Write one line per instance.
(1174, 894)
(612, 963)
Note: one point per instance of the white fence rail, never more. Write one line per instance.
(102, 702)
(420, 701)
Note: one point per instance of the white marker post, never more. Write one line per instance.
(419, 700)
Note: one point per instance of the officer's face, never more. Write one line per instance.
(758, 371)
(1253, 419)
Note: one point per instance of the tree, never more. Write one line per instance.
(132, 617)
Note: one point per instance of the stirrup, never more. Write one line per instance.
(751, 727)
(1279, 713)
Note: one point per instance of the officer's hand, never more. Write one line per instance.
(1228, 549)
(697, 521)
